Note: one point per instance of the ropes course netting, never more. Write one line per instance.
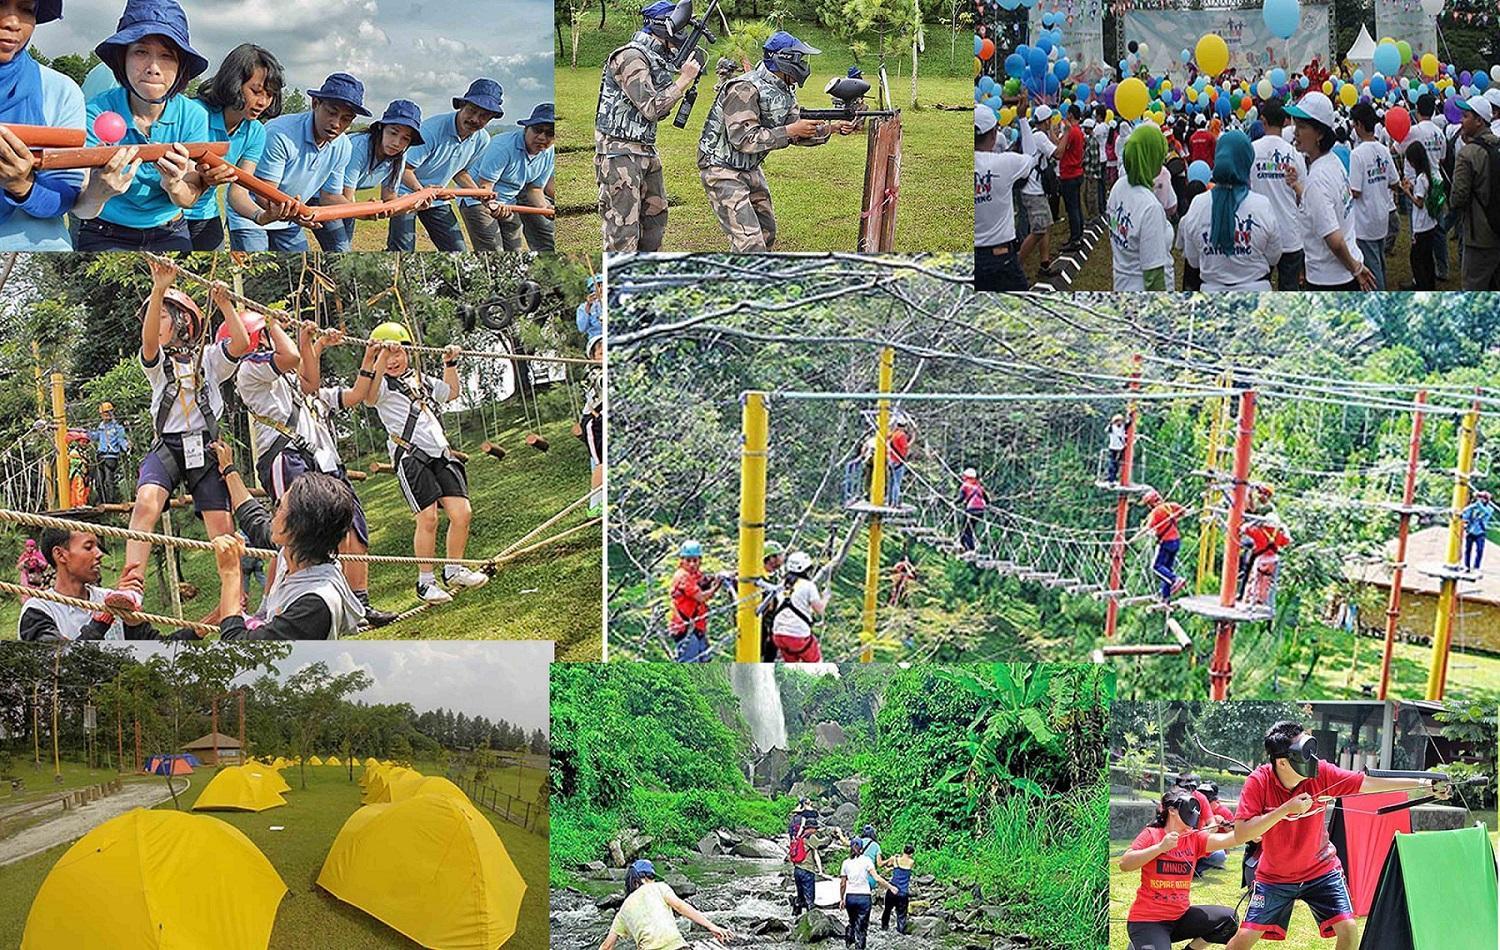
(1329, 452)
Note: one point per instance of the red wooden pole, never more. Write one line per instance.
(241, 693)
(213, 732)
(1408, 494)
(1122, 508)
(1220, 670)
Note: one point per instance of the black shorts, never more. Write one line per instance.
(1209, 921)
(593, 437)
(424, 484)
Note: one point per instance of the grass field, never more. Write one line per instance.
(525, 600)
(309, 917)
(39, 784)
(816, 192)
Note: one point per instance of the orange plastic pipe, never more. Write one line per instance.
(406, 203)
(98, 156)
(252, 184)
(46, 136)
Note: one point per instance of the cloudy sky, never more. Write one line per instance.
(497, 678)
(424, 50)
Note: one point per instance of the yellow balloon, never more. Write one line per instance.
(1348, 95)
(1166, 85)
(978, 66)
(1007, 115)
(1192, 94)
(1327, 87)
(1131, 98)
(1109, 115)
(1429, 64)
(1212, 54)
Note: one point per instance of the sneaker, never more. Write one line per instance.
(1178, 585)
(376, 617)
(123, 600)
(433, 594)
(465, 577)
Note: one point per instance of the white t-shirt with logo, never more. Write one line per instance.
(1257, 244)
(1327, 206)
(1267, 178)
(1139, 235)
(1432, 139)
(994, 204)
(1370, 172)
(1044, 149)
(393, 403)
(1421, 219)
(856, 873)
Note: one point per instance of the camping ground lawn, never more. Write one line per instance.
(816, 191)
(510, 497)
(308, 916)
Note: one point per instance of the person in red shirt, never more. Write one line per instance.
(1201, 143)
(1297, 859)
(1166, 853)
(897, 449)
(1162, 521)
(1070, 155)
(973, 499)
(1262, 543)
(690, 593)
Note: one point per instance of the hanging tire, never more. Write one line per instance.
(528, 296)
(497, 314)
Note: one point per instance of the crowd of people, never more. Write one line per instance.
(138, 96)
(1293, 188)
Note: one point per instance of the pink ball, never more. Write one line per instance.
(109, 127)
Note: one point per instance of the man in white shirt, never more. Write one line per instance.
(997, 266)
(1035, 208)
(1273, 154)
(1370, 183)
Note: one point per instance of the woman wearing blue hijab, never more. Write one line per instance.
(1230, 233)
(32, 203)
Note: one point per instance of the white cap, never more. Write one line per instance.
(1480, 106)
(798, 562)
(1493, 95)
(984, 119)
(1314, 106)
(970, 473)
(1042, 113)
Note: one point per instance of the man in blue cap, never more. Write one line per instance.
(305, 157)
(638, 91)
(519, 165)
(753, 115)
(450, 142)
(32, 203)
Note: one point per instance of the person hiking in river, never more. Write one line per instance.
(857, 878)
(647, 916)
(899, 896)
(807, 841)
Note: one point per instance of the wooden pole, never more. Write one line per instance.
(60, 418)
(1122, 507)
(1221, 670)
(1208, 532)
(56, 675)
(1408, 494)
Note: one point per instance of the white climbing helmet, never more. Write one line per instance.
(798, 562)
(970, 473)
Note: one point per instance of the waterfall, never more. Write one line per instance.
(760, 703)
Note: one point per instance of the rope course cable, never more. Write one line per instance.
(44, 594)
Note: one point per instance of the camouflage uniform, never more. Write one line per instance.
(636, 93)
(748, 121)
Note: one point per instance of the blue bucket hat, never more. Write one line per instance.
(143, 18)
(407, 113)
(644, 867)
(541, 115)
(344, 88)
(484, 93)
(48, 10)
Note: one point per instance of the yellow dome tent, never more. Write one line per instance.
(332, 760)
(431, 867)
(378, 789)
(405, 788)
(273, 779)
(314, 761)
(236, 789)
(280, 763)
(150, 879)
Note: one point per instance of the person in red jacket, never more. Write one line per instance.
(896, 451)
(690, 592)
(1070, 155)
(1297, 860)
(1166, 852)
(1262, 543)
(1162, 522)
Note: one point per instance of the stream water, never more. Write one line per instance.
(738, 893)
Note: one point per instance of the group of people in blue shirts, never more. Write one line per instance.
(174, 203)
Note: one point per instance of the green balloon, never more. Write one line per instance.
(1405, 50)
(1012, 87)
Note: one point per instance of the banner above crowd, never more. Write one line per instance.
(1253, 48)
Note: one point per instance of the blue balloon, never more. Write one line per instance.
(978, 44)
(1051, 84)
(1387, 59)
(1277, 76)
(1359, 77)
(1038, 61)
(1061, 69)
(1303, 81)
(1377, 86)
(1282, 17)
(1199, 171)
(1015, 66)
(1047, 20)
(1024, 50)
(1186, 56)
(1224, 107)
(1044, 43)
(1028, 4)
(1481, 80)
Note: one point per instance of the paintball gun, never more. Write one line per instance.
(682, 19)
(848, 94)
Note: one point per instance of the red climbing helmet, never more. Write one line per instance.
(187, 319)
(255, 325)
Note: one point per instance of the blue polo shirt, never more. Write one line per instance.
(247, 144)
(505, 162)
(442, 153)
(144, 204)
(294, 163)
(37, 224)
(357, 174)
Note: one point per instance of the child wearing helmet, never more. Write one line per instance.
(111, 442)
(429, 474)
(796, 610)
(187, 375)
(1476, 517)
(773, 558)
(691, 592)
(1116, 448)
(1162, 522)
(972, 499)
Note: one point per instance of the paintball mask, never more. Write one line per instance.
(846, 91)
(787, 55)
(1302, 754)
(666, 20)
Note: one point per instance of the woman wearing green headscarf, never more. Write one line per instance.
(1139, 234)
(1230, 233)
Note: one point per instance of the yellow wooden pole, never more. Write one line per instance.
(754, 428)
(41, 411)
(877, 500)
(1442, 628)
(60, 416)
(1208, 531)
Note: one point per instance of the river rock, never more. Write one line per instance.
(759, 848)
(845, 816)
(926, 880)
(681, 886)
(708, 845)
(927, 927)
(829, 735)
(814, 926)
(592, 867)
(764, 925)
(610, 901)
(848, 788)
(728, 839)
(806, 789)
(627, 846)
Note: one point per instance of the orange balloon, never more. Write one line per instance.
(986, 49)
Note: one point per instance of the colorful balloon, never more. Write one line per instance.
(1429, 64)
(109, 127)
(1131, 98)
(1282, 17)
(1398, 123)
(1212, 54)
(1348, 95)
(1387, 59)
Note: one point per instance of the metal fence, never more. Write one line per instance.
(518, 811)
